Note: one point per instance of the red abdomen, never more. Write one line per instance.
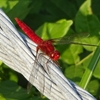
(29, 32)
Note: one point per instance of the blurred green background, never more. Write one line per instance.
(55, 19)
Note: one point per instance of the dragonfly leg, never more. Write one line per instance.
(46, 69)
(34, 74)
(36, 63)
(41, 54)
(37, 49)
(29, 86)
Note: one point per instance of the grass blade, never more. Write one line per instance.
(89, 71)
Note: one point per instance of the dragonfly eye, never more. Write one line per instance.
(55, 55)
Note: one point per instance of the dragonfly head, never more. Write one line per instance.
(55, 55)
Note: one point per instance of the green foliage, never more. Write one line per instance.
(9, 90)
(54, 19)
(14, 91)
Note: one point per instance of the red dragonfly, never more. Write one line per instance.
(46, 46)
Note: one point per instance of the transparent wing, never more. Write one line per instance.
(35, 74)
(79, 39)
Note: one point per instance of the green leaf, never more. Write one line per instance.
(81, 23)
(97, 71)
(93, 87)
(20, 10)
(54, 30)
(96, 7)
(1, 62)
(10, 90)
(85, 21)
(65, 5)
(7, 5)
(71, 54)
(76, 71)
(1, 97)
(93, 40)
(13, 76)
(36, 6)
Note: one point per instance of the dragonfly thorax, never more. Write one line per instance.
(55, 55)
